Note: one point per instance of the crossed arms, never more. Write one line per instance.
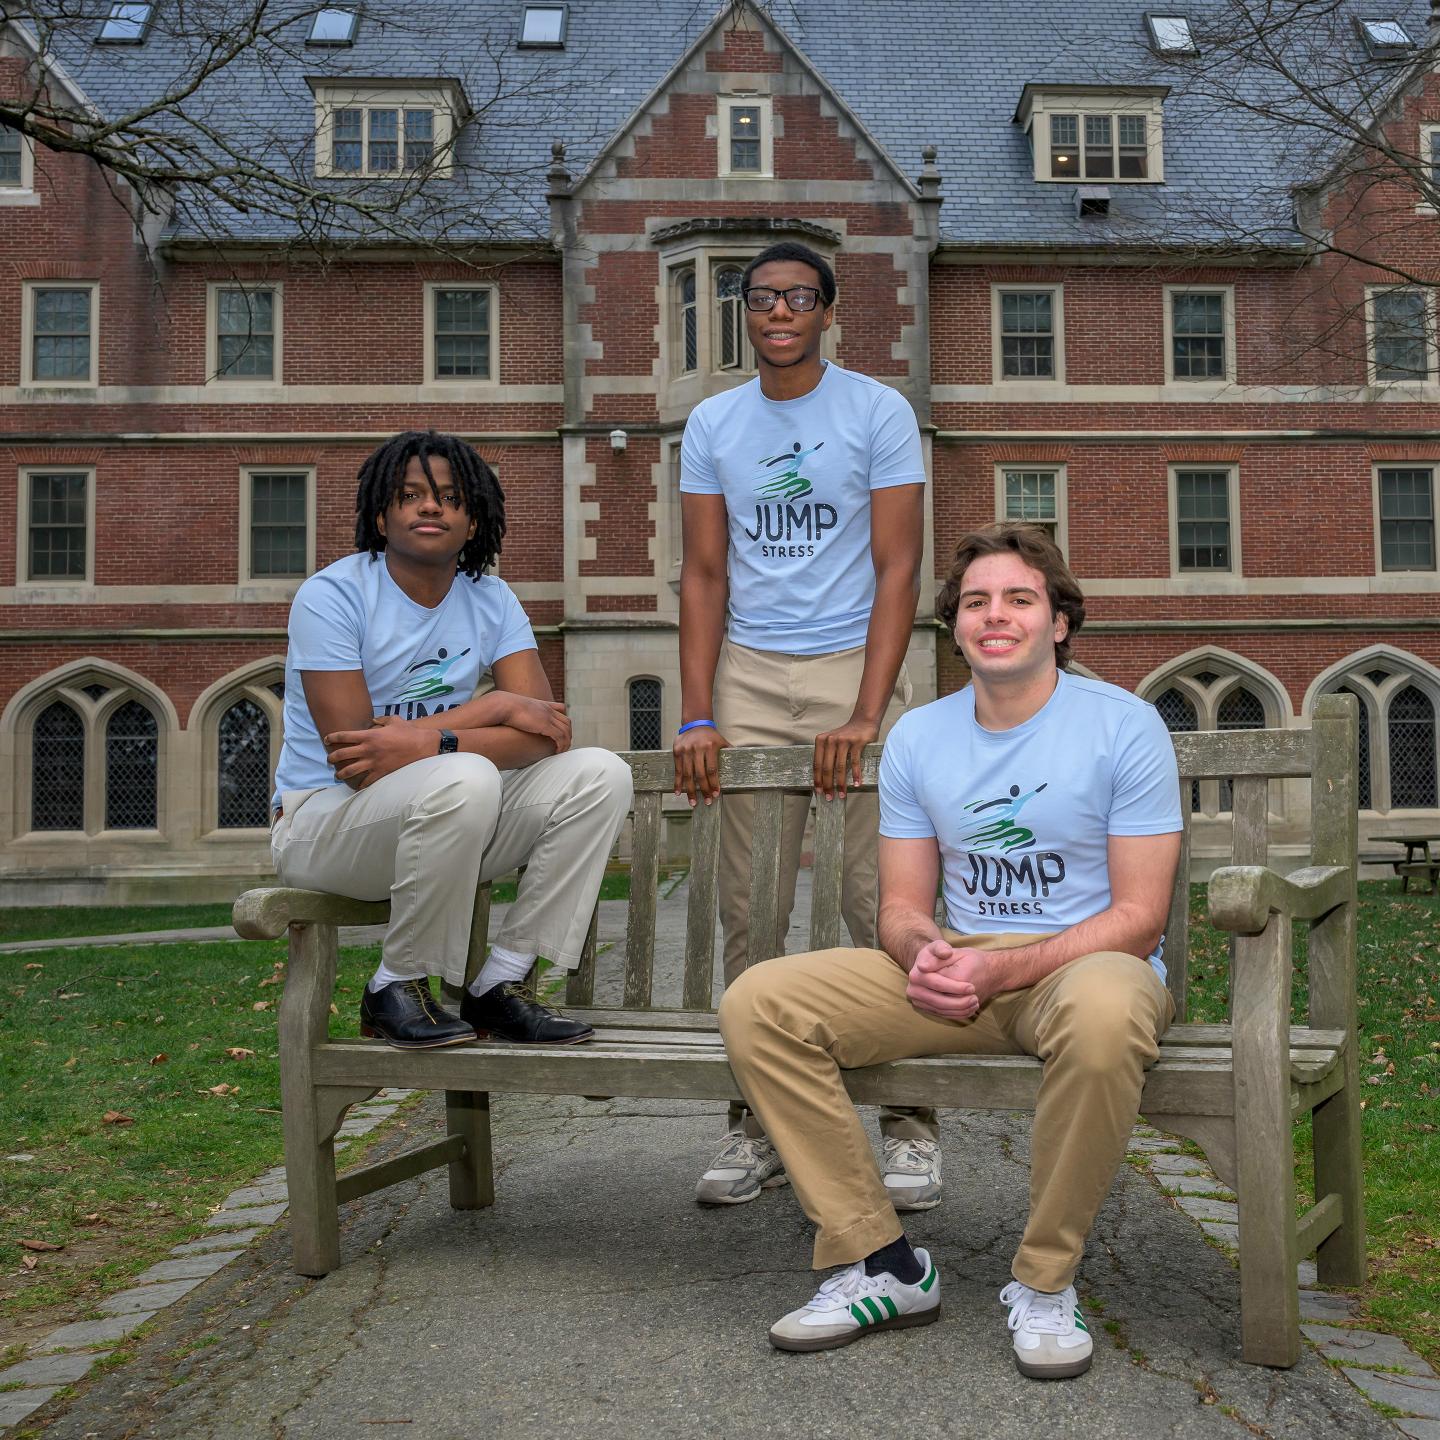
(953, 982)
(516, 724)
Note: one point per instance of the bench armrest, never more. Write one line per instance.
(1243, 897)
(265, 914)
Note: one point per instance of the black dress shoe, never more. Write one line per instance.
(404, 1014)
(510, 1012)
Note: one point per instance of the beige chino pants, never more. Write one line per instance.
(762, 697)
(426, 835)
(792, 1025)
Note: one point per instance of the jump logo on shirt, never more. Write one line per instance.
(784, 529)
(1025, 882)
(426, 682)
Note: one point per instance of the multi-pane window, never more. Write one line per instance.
(1412, 750)
(733, 350)
(1032, 495)
(1407, 519)
(60, 339)
(278, 524)
(1180, 719)
(1239, 710)
(10, 155)
(1115, 147)
(1399, 759)
(245, 334)
(1027, 334)
(687, 331)
(1197, 335)
(132, 767)
(57, 769)
(745, 139)
(243, 767)
(1362, 774)
(462, 334)
(1399, 334)
(58, 521)
(372, 140)
(645, 733)
(1203, 520)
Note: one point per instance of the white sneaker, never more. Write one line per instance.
(852, 1304)
(1052, 1341)
(744, 1167)
(912, 1173)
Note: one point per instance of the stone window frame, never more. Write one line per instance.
(1432, 360)
(252, 682)
(454, 382)
(1433, 467)
(1060, 470)
(443, 97)
(725, 104)
(213, 375)
(1351, 674)
(1227, 293)
(673, 526)
(1232, 672)
(630, 683)
(22, 528)
(69, 687)
(29, 289)
(1428, 160)
(274, 585)
(1231, 470)
(23, 192)
(1056, 289)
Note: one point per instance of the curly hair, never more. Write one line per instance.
(1035, 547)
(382, 480)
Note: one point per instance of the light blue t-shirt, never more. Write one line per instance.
(352, 616)
(1022, 816)
(796, 476)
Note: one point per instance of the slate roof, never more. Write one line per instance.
(942, 72)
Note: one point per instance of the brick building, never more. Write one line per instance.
(1235, 441)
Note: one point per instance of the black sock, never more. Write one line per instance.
(899, 1259)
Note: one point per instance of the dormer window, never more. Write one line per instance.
(380, 130)
(126, 24)
(1083, 134)
(1385, 39)
(1171, 35)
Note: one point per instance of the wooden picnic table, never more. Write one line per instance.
(1426, 867)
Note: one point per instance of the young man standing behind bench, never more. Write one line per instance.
(395, 784)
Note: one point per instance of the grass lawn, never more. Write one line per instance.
(1399, 995)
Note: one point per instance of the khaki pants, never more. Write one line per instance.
(764, 698)
(792, 1025)
(425, 835)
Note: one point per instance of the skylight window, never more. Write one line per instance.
(1171, 35)
(332, 27)
(126, 24)
(543, 25)
(1385, 38)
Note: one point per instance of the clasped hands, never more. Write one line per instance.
(361, 757)
(951, 982)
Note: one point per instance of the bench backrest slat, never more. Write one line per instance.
(1177, 928)
(644, 883)
(765, 877)
(700, 915)
(1249, 810)
(828, 868)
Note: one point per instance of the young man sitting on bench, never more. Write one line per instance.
(394, 783)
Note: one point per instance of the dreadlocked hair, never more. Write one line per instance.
(382, 479)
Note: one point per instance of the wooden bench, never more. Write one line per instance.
(1235, 1089)
(1407, 870)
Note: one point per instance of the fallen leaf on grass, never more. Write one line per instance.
(42, 1246)
(115, 1117)
(261, 1005)
(72, 995)
(159, 1059)
(29, 1261)
(70, 1063)
(334, 1009)
(34, 965)
(239, 1052)
(224, 1090)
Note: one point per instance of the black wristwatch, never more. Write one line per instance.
(449, 742)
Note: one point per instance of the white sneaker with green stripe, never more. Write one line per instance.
(1052, 1341)
(852, 1304)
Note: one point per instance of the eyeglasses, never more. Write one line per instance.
(799, 298)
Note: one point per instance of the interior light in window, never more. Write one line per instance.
(1385, 37)
(332, 27)
(126, 24)
(543, 25)
(1171, 35)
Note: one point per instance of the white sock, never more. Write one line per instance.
(386, 976)
(501, 967)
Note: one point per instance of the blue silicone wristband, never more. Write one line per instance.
(694, 725)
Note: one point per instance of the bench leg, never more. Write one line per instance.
(472, 1176)
(304, 1024)
(1339, 1170)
